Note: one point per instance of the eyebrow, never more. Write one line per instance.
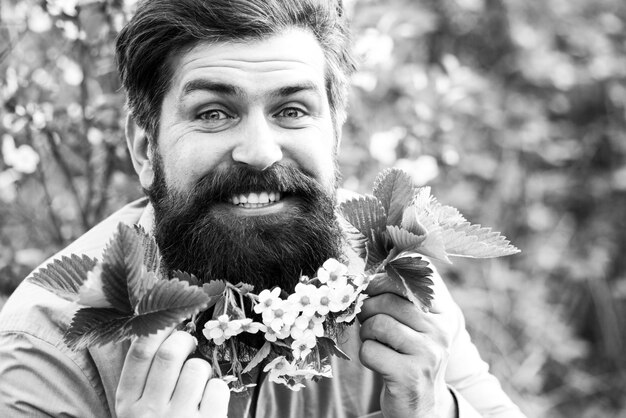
(233, 90)
(211, 86)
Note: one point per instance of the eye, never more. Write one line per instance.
(214, 115)
(291, 112)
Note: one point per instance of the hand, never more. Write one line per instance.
(158, 381)
(410, 349)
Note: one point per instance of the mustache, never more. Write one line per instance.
(220, 185)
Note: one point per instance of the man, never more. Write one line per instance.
(235, 115)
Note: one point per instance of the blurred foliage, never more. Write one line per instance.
(514, 111)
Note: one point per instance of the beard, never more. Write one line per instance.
(198, 233)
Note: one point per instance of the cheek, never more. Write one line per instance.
(183, 167)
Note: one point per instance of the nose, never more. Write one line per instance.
(258, 145)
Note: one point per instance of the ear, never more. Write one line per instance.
(140, 152)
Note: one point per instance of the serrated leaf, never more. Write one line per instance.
(415, 275)
(214, 287)
(97, 326)
(394, 189)
(64, 276)
(356, 240)
(186, 277)
(433, 247)
(151, 255)
(123, 278)
(328, 346)
(404, 240)
(467, 240)
(167, 303)
(263, 352)
(365, 213)
(368, 216)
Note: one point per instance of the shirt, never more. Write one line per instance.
(40, 376)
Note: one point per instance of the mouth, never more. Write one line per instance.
(256, 200)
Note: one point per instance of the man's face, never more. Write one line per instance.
(254, 103)
(245, 164)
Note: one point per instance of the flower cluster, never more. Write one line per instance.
(293, 326)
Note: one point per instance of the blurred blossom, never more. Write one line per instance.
(374, 47)
(56, 7)
(471, 5)
(450, 155)
(619, 179)
(422, 170)
(8, 192)
(383, 144)
(43, 78)
(365, 80)
(95, 136)
(23, 158)
(72, 73)
(70, 30)
(38, 20)
(74, 111)
(30, 257)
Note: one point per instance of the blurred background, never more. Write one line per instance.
(513, 111)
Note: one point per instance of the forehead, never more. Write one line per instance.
(293, 56)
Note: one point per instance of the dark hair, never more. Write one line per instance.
(160, 30)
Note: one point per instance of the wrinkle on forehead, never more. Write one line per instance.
(294, 49)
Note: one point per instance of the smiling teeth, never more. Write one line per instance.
(255, 200)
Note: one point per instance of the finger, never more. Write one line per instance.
(191, 383)
(137, 363)
(215, 400)
(398, 308)
(381, 359)
(388, 331)
(166, 366)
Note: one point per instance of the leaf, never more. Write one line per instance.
(467, 240)
(394, 189)
(404, 240)
(415, 275)
(434, 247)
(214, 287)
(96, 326)
(186, 277)
(365, 213)
(64, 276)
(327, 347)
(260, 355)
(124, 282)
(368, 216)
(151, 255)
(356, 240)
(449, 233)
(167, 303)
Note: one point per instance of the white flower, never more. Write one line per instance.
(354, 310)
(267, 298)
(307, 325)
(279, 314)
(341, 298)
(222, 329)
(361, 281)
(272, 336)
(333, 273)
(252, 327)
(278, 368)
(305, 298)
(302, 347)
(323, 308)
